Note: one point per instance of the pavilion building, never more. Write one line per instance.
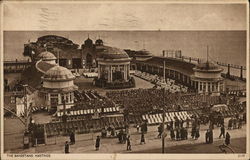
(207, 78)
(58, 86)
(113, 68)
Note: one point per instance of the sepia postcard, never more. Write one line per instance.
(124, 79)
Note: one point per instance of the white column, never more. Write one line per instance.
(206, 86)
(73, 97)
(111, 74)
(128, 71)
(218, 87)
(125, 72)
(99, 71)
(211, 84)
(198, 86)
(48, 100)
(69, 101)
(223, 84)
(109, 77)
(202, 86)
(59, 98)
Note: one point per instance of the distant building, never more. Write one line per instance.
(69, 54)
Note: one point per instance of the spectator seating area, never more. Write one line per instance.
(240, 93)
(88, 103)
(86, 95)
(170, 116)
(90, 74)
(80, 112)
(170, 84)
(84, 126)
(142, 102)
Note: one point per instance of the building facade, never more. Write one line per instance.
(57, 88)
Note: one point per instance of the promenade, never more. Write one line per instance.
(85, 143)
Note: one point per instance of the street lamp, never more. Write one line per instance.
(26, 136)
(26, 113)
(163, 122)
(163, 111)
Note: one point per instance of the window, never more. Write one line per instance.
(13, 99)
(53, 99)
(213, 84)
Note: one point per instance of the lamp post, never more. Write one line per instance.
(163, 122)
(26, 136)
(164, 67)
(26, 112)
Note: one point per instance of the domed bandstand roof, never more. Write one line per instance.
(207, 67)
(112, 53)
(47, 56)
(58, 73)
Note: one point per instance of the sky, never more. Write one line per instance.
(89, 17)
(123, 16)
(224, 46)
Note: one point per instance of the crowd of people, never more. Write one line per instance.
(235, 122)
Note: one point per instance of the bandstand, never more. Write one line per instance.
(113, 69)
(207, 78)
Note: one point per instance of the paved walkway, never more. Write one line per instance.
(85, 142)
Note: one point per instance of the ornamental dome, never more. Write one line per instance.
(99, 42)
(45, 56)
(207, 66)
(88, 42)
(58, 73)
(112, 53)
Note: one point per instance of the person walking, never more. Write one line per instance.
(234, 123)
(124, 137)
(197, 134)
(230, 123)
(159, 131)
(128, 144)
(187, 125)
(186, 133)
(227, 139)
(193, 132)
(172, 135)
(142, 138)
(239, 123)
(211, 136)
(72, 138)
(207, 137)
(66, 147)
(222, 131)
(138, 128)
(97, 143)
(177, 134)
